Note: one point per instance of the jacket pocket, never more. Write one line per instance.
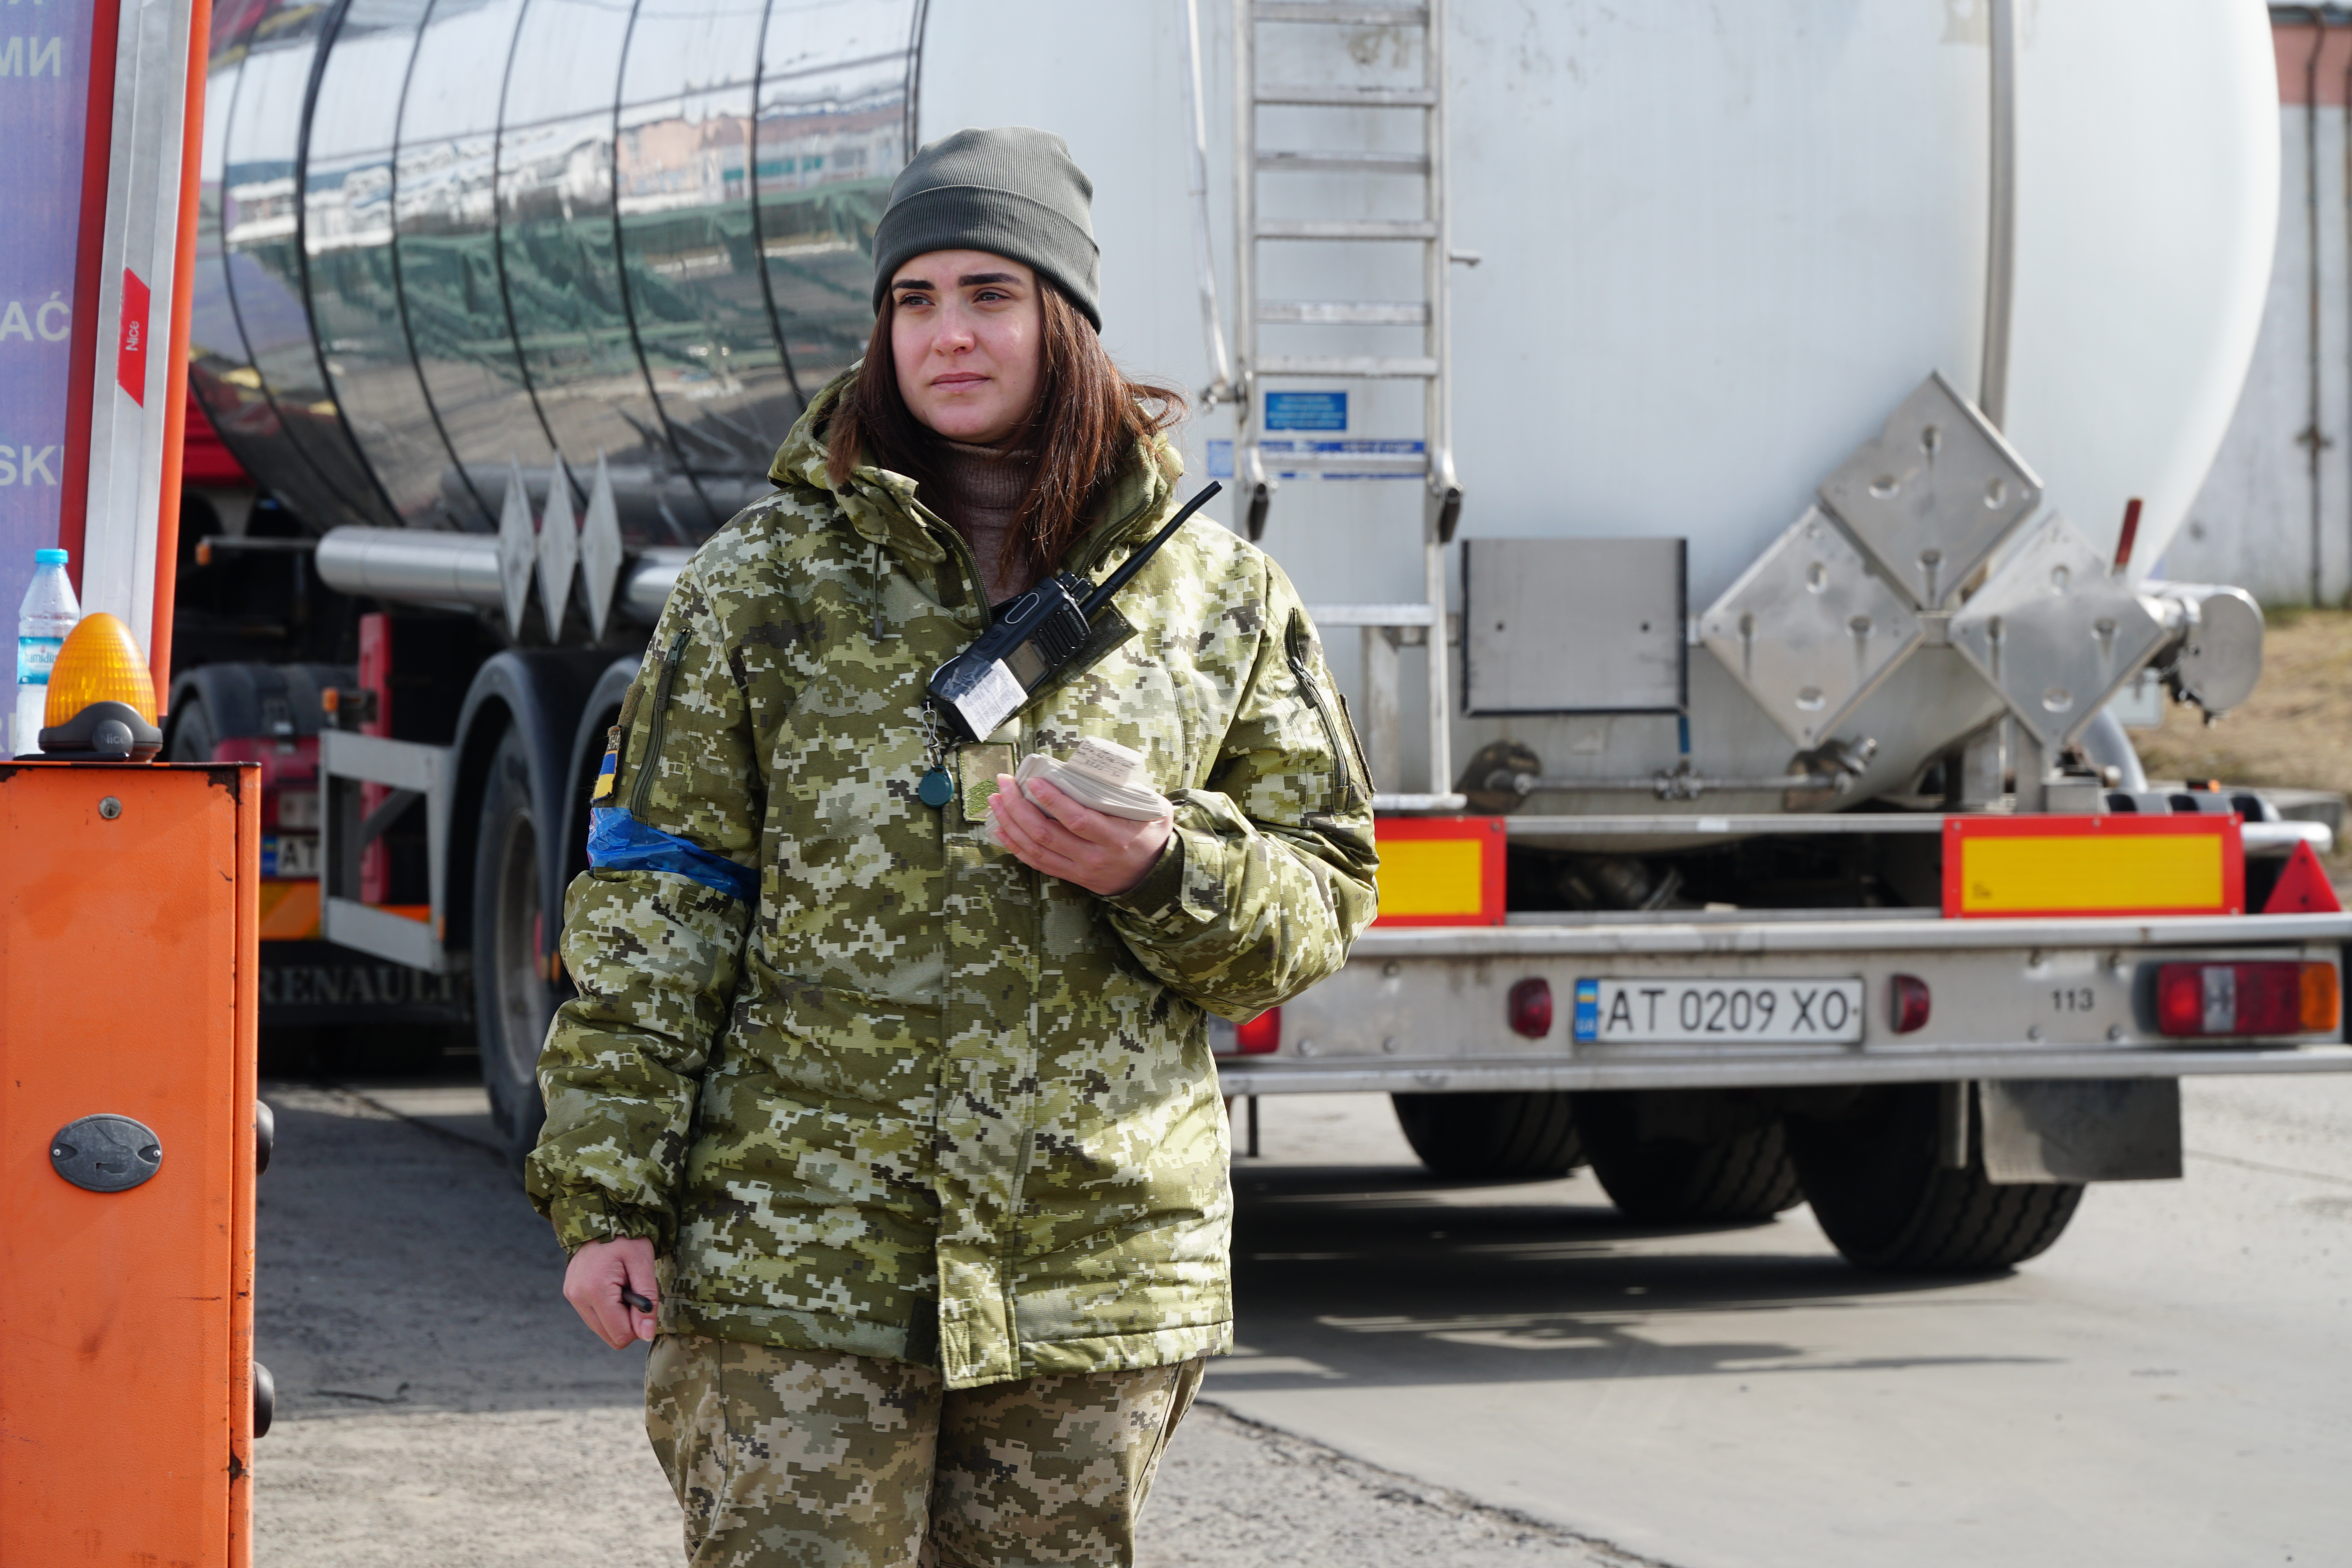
(1347, 762)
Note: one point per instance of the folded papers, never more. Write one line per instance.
(1099, 774)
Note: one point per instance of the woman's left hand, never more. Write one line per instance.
(1067, 838)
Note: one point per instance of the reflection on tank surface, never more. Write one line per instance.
(445, 238)
(284, 408)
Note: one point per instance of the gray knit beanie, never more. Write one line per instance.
(1011, 192)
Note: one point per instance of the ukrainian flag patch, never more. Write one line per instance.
(605, 774)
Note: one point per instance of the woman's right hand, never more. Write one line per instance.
(599, 1272)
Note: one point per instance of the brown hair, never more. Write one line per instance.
(1084, 428)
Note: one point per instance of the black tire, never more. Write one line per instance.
(192, 738)
(1731, 1161)
(1501, 1137)
(513, 1000)
(1886, 1201)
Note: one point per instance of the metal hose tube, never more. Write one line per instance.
(417, 566)
(414, 566)
(2107, 745)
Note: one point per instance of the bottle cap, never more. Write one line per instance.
(48, 557)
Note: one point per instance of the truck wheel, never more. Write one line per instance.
(512, 998)
(1502, 1136)
(191, 738)
(1886, 1201)
(1714, 1159)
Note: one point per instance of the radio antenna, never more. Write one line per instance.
(1135, 562)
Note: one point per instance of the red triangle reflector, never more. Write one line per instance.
(2302, 888)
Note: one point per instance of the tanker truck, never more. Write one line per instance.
(1729, 452)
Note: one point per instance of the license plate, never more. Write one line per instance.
(291, 854)
(1767, 1012)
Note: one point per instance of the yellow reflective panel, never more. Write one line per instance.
(1432, 877)
(2088, 873)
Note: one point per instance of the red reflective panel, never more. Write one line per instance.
(1530, 1008)
(1262, 1036)
(2269, 998)
(1907, 1002)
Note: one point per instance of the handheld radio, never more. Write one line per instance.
(1034, 641)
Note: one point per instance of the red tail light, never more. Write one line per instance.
(1907, 1002)
(2180, 998)
(2268, 997)
(1530, 1008)
(1262, 1036)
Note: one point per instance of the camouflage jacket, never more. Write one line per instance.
(869, 1083)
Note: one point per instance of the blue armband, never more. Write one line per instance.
(619, 842)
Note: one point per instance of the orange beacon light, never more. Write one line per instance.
(102, 704)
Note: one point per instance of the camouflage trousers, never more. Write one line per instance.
(823, 1460)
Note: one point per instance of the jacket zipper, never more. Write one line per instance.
(657, 728)
(955, 543)
(1342, 737)
(1092, 549)
(1102, 542)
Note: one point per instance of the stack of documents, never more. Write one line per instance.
(1099, 774)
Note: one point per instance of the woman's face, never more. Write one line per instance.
(964, 337)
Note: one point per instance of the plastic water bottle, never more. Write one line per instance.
(48, 614)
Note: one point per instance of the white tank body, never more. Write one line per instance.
(441, 244)
(1718, 245)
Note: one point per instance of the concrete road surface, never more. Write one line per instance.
(440, 1407)
(2171, 1384)
(1457, 1375)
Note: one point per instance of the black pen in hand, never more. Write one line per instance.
(630, 1298)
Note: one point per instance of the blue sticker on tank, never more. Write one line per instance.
(1307, 411)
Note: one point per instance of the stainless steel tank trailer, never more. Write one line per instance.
(1741, 441)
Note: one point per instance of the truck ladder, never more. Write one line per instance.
(1385, 628)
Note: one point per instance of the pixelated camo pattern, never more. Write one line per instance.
(923, 1102)
(820, 1458)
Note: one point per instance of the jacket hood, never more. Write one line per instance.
(881, 506)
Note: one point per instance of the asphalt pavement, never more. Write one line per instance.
(438, 1403)
(2169, 1387)
(1431, 1374)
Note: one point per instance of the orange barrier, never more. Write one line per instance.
(128, 968)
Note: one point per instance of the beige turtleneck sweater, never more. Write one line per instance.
(983, 487)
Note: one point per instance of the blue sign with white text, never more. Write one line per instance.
(45, 56)
(1307, 411)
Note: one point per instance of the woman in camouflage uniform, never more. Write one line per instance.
(886, 1107)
